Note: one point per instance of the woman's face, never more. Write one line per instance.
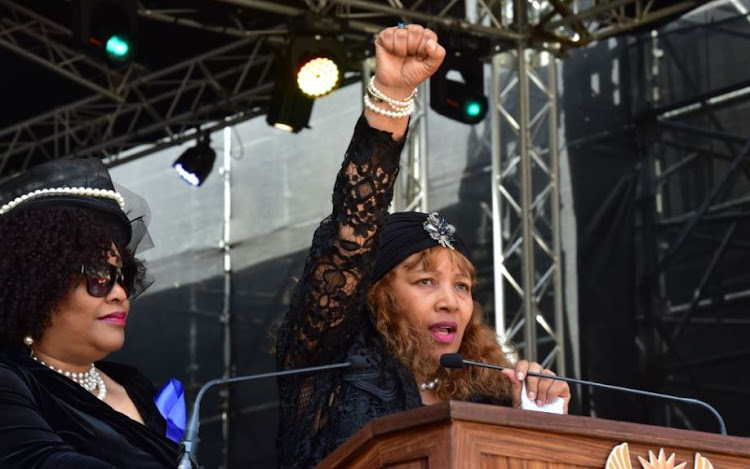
(85, 328)
(436, 299)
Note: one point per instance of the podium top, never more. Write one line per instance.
(556, 433)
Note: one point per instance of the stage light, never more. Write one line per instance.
(310, 66)
(289, 108)
(456, 90)
(196, 163)
(106, 28)
(307, 69)
(318, 76)
(315, 60)
(474, 108)
(118, 48)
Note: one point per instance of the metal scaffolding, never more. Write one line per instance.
(526, 205)
(694, 181)
(43, 41)
(152, 110)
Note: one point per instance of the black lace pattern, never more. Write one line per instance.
(328, 319)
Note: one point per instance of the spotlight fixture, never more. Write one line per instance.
(315, 59)
(106, 28)
(196, 163)
(289, 108)
(459, 99)
(318, 77)
(309, 67)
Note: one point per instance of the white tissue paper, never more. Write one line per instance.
(554, 407)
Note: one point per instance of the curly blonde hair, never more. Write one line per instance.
(413, 348)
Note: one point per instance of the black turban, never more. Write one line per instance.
(406, 233)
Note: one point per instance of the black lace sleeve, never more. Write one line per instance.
(328, 302)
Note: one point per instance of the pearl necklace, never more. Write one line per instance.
(89, 380)
(429, 385)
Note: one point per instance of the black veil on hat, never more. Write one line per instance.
(84, 183)
(406, 233)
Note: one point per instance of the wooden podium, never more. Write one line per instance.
(459, 435)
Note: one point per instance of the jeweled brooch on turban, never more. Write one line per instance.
(440, 230)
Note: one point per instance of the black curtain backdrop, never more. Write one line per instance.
(603, 160)
(627, 293)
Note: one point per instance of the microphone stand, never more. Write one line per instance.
(190, 442)
(686, 400)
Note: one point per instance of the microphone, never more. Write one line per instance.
(190, 442)
(456, 360)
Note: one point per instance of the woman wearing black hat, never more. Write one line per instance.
(67, 275)
(394, 289)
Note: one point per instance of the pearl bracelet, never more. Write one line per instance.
(374, 92)
(385, 112)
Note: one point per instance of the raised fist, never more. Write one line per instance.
(405, 57)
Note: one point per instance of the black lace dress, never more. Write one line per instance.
(328, 319)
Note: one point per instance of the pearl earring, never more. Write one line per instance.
(28, 340)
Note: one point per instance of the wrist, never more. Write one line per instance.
(398, 93)
(379, 102)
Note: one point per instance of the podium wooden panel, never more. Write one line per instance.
(457, 435)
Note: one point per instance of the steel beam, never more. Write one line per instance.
(166, 104)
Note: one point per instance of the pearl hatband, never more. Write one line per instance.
(78, 191)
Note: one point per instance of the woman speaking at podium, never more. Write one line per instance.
(394, 289)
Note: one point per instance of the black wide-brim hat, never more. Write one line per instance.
(82, 183)
(407, 233)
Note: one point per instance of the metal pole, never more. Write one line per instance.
(554, 147)
(527, 215)
(226, 312)
(417, 182)
(497, 200)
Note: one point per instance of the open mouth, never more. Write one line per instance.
(444, 332)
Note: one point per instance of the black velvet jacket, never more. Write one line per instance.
(47, 420)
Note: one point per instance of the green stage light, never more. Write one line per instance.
(118, 48)
(459, 99)
(473, 108)
(107, 29)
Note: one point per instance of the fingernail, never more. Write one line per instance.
(520, 375)
(532, 395)
(539, 402)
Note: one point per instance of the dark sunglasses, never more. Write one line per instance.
(100, 279)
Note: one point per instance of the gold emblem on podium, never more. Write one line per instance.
(619, 458)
